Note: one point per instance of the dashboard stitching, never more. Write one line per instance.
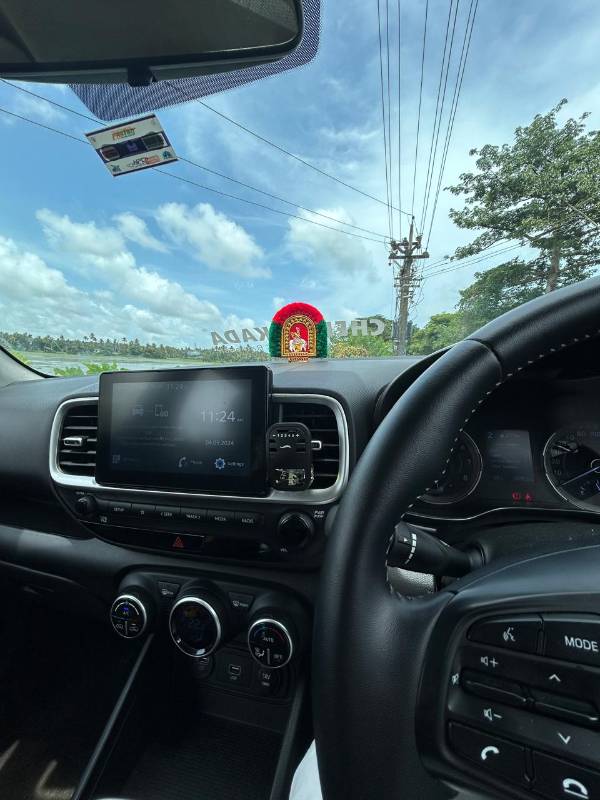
(529, 362)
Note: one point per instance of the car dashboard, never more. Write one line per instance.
(221, 585)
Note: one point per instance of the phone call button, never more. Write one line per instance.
(491, 753)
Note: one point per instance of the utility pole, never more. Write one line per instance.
(403, 256)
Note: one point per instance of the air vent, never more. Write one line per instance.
(322, 423)
(78, 438)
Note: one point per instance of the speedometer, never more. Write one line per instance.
(572, 464)
(461, 475)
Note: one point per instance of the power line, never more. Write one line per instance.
(454, 105)
(487, 251)
(439, 108)
(383, 120)
(389, 111)
(412, 209)
(280, 148)
(205, 168)
(198, 185)
(399, 119)
(473, 261)
(41, 125)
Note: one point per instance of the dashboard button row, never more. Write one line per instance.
(567, 637)
(115, 510)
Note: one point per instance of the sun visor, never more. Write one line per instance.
(115, 101)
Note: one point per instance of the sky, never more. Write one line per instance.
(150, 257)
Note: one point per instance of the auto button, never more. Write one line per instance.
(516, 633)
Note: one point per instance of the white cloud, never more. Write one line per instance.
(24, 275)
(38, 298)
(135, 229)
(102, 253)
(327, 248)
(213, 238)
(147, 321)
(278, 302)
(38, 109)
(79, 237)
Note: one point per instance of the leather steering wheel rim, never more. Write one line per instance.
(370, 644)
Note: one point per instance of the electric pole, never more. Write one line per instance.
(403, 256)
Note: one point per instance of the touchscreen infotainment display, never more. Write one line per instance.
(200, 429)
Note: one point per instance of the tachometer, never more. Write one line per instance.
(572, 464)
(461, 476)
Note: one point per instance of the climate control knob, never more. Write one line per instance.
(295, 529)
(128, 616)
(197, 625)
(270, 642)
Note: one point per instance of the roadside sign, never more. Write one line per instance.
(133, 145)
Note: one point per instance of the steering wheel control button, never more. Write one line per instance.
(195, 626)
(516, 633)
(530, 670)
(559, 780)
(579, 712)
(128, 616)
(573, 638)
(493, 755)
(270, 643)
(503, 691)
(524, 727)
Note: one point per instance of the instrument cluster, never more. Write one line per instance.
(501, 466)
(535, 444)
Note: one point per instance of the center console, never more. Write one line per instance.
(203, 463)
(236, 484)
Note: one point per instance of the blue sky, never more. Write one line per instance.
(147, 256)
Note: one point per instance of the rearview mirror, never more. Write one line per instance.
(88, 41)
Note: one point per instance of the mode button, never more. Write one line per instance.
(573, 638)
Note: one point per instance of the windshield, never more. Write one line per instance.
(433, 166)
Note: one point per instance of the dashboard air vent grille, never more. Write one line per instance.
(322, 423)
(78, 439)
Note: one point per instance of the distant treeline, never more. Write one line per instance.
(93, 346)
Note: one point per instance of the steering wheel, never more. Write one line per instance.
(383, 663)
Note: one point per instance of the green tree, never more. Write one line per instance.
(361, 346)
(542, 191)
(499, 289)
(440, 331)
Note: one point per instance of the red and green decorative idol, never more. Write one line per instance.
(298, 332)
